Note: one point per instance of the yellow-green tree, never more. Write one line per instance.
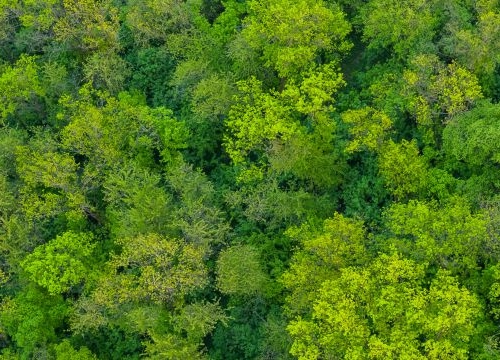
(387, 311)
(291, 35)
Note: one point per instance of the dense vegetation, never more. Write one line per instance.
(249, 179)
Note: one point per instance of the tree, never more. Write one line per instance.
(239, 271)
(368, 128)
(136, 203)
(292, 129)
(149, 289)
(291, 34)
(35, 21)
(211, 101)
(386, 311)
(61, 263)
(155, 20)
(267, 205)
(92, 118)
(7, 23)
(480, 39)
(449, 237)
(197, 217)
(21, 89)
(49, 184)
(88, 25)
(152, 268)
(470, 136)
(13, 244)
(405, 27)
(196, 321)
(339, 243)
(403, 169)
(64, 350)
(437, 93)
(235, 179)
(32, 318)
(255, 120)
(106, 70)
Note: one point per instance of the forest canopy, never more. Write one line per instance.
(249, 179)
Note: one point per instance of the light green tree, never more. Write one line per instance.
(291, 34)
(481, 39)
(406, 27)
(91, 120)
(339, 243)
(386, 311)
(65, 350)
(61, 263)
(449, 237)
(436, 93)
(291, 131)
(155, 268)
(20, 87)
(155, 20)
(88, 25)
(403, 168)
(368, 129)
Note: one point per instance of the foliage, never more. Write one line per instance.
(290, 34)
(32, 318)
(450, 237)
(239, 271)
(470, 136)
(61, 263)
(64, 350)
(385, 311)
(20, 86)
(151, 267)
(404, 26)
(403, 169)
(339, 243)
(280, 127)
(249, 179)
(368, 127)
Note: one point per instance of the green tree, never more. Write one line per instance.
(149, 289)
(450, 237)
(437, 93)
(33, 319)
(197, 217)
(88, 25)
(292, 129)
(339, 243)
(404, 27)
(152, 267)
(292, 34)
(480, 39)
(21, 89)
(107, 71)
(90, 131)
(61, 263)
(155, 20)
(7, 24)
(368, 129)
(196, 321)
(386, 311)
(403, 169)
(136, 203)
(50, 188)
(239, 271)
(64, 351)
(471, 136)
